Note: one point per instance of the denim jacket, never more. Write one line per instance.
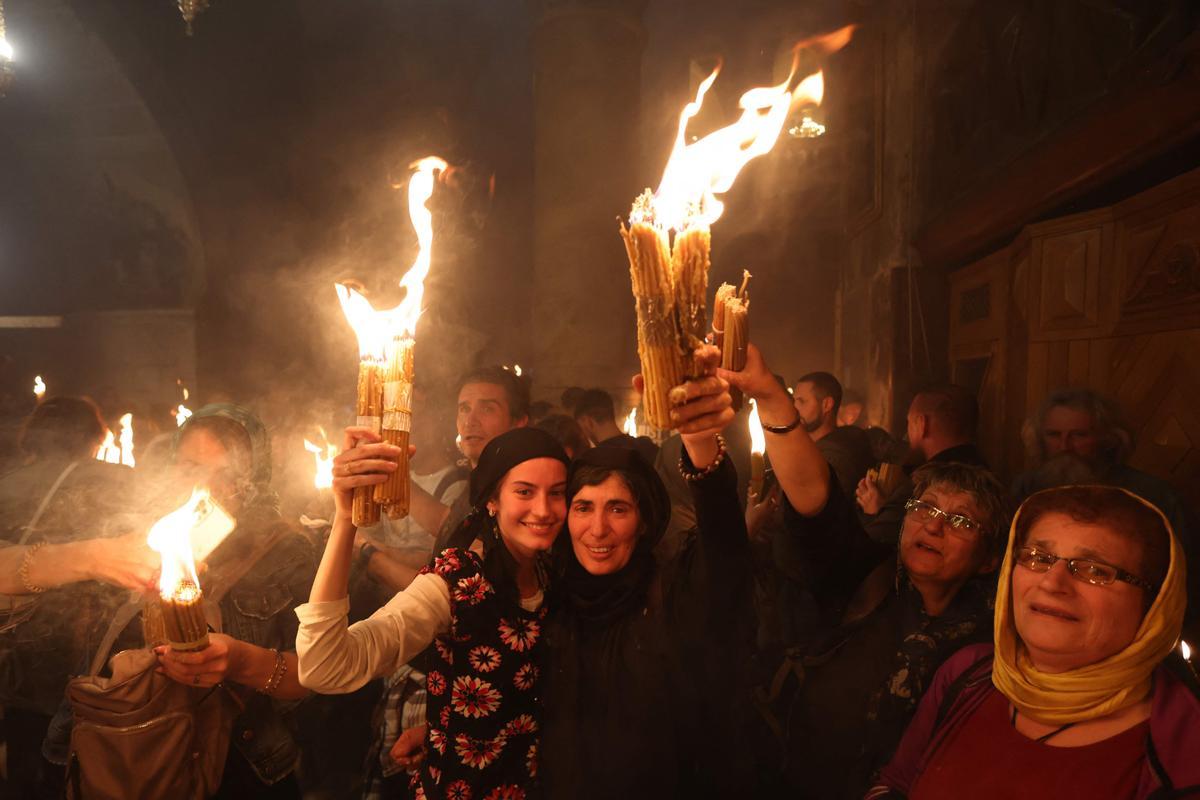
(259, 610)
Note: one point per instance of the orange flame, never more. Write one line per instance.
(375, 329)
(39, 387)
(758, 441)
(323, 456)
(109, 452)
(697, 172)
(175, 536)
(126, 440)
(631, 422)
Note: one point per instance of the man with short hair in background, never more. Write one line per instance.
(818, 398)
(942, 422)
(597, 415)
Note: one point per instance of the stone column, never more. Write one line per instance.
(587, 172)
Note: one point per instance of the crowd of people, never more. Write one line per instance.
(572, 611)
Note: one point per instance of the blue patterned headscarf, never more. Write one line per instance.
(255, 489)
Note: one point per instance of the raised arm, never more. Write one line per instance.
(334, 657)
(802, 471)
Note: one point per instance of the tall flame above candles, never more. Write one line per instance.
(386, 340)
(116, 450)
(180, 598)
(670, 278)
(758, 449)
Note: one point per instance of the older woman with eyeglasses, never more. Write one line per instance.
(838, 701)
(1078, 696)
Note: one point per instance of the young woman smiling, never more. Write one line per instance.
(483, 614)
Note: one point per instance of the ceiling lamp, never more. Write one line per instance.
(190, 9)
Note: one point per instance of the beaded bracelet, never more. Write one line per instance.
(694, 474)
(276, 674)
(23, 572)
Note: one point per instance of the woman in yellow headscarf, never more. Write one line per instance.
(1078, 696)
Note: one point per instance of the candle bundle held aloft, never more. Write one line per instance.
(195, 527)
(662, 359)
(386, 342)
(731, 327)
(670, 279)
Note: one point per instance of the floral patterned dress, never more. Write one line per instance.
(483, 711)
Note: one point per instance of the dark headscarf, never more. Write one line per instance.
(254, 488)
(602, 598)
(499, 456)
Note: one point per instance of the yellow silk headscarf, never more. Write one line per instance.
(1099, 689)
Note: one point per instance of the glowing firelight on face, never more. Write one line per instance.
(699, 169)
(323, 457)
(376, 329)
(172, 538)
(631, 422)
(39, 388)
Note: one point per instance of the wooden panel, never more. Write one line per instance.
(1070, 282)
(1078, 362)
(1158, 260)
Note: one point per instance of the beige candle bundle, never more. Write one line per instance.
(370, 415)
(396, 424)
(689, 273)
(654, 298)
(183, 620)
(731, 328)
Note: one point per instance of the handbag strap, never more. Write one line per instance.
(41, 509)
(220, 588)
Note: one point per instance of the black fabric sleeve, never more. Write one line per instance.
(835, 552)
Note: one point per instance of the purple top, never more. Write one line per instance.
(1173, 744)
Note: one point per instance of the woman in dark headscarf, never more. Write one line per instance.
(226, 448)
(483, 614)
(644, 657)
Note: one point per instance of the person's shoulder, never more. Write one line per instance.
(966, 658)
(1175, 727)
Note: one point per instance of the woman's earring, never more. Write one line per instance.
(491, 512)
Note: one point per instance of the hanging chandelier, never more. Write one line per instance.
(7, 72)
(190, 9)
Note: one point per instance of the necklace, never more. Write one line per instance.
(1048, 736)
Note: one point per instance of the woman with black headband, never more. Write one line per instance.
(483, 614)
(644, 656)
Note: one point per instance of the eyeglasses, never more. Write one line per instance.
(1096, 573)
(926, 512)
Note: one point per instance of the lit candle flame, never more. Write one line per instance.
(1186, 650)
(172, 538)
(376, 329)
(699, 169)
(109, 452)
(39, 387)
(126, 440)
(517, 369)
(631, 422)
(182, 414)
(323, 456)
(758, 441)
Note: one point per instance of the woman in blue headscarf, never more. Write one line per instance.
(226, 448)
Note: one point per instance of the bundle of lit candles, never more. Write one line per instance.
(196, 527)
(386, 343)
(670, 277)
